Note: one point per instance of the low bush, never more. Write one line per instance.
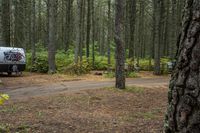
(78, 69)
(132, 75)
(40, 63)
(109, 75)
(65, 62)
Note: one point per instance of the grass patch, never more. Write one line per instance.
(40, 114)
(4, 128)
(132, 75)
(147, 115)
(12, 109)
(24, 128)
(128, 89)
(143, 115)
(109, 75)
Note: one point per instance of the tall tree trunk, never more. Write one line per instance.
(183, 114)
(39, 27)
(157, 10)
(82, 29)
(166, 29)
(93, 35)
(109, 34)
(88, 29)
(52, 5)
(78, 32)
(132, 27)
(68, 24)
(173, 29)
(5, 18)
(120, 47)
(33, 31)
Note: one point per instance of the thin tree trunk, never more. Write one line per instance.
(109, 34)
(93, 35)
(88, 30)
(33, 37)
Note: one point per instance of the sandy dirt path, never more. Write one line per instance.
(18, 92)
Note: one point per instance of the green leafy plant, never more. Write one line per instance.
(132, 75)
(109, 75)
(78, 69)
(40, 64)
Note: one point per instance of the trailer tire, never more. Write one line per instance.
(9, 73)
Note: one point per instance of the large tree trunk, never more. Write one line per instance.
(183, 114)
(5, 18)
(120, 47)
(52, 5)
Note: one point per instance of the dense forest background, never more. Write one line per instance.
(78, 35)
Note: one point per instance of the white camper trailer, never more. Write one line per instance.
(12, 60)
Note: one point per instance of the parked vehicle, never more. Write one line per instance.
(12, 60)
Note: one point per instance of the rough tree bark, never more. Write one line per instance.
(5, 18)
(93, 33)
(157, 12)
(78, 32)
(52, 5)
(183, 114)
(33, 30)
(120, 47)
(109, 34)
(132, 13)
(88, 29)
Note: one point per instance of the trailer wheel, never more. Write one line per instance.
(9, 73)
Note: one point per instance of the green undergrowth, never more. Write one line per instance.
(65, 63)
(128, 75)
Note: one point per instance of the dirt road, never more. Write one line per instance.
(17, 92)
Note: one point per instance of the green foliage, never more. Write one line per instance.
(65, 63)
(128, 74)
(101, 63)
(132, 75)
(4, 128)
(40, 65)
(64, 60)
(109, 75)
(78, 69)
(3, 98)
(130, 64)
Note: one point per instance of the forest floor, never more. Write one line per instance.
(61, 104)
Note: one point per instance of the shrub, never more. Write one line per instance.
(40, 65)
(78, 69)
(132, 75)
(109, 75)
